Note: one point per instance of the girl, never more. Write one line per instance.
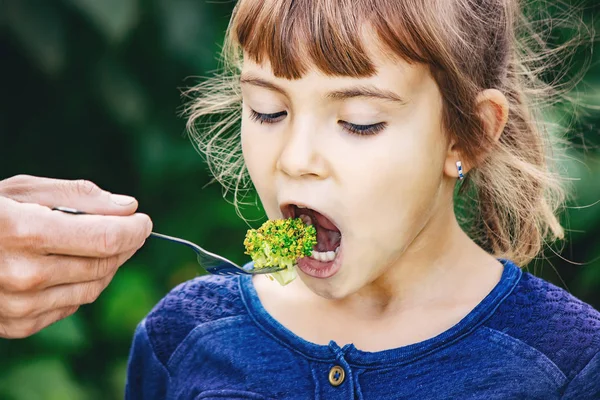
(363, 115)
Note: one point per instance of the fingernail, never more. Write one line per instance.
(121, 200)
(150, 226)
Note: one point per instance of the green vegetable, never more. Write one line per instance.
(279, 243)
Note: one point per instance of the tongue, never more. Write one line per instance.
(327, 240)
(328, 236)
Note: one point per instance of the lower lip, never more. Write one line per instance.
(320, 269)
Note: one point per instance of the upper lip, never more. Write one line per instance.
(287, 210)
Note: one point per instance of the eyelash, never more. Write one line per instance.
(361, 130)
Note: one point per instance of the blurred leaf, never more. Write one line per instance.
(187, 271)
(588, 279)
(122, 94)
(41, 379)
(189, 32)
(114, 18)
(126, 301)
(154, 154)
(118, 377)
(40, 30)
(588, 92)
(67, 335)
(585, 213)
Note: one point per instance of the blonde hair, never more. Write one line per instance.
(510, 198)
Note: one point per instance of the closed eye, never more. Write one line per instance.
(267, 118)
(362, 130)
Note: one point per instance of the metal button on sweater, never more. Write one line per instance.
(336, 375)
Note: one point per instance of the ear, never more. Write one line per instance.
(492, 108)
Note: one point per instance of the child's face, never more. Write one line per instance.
(381, 190)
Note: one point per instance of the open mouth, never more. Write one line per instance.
(329, 236)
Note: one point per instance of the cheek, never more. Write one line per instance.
(413, 158)
(408, 157)
(259, 159)
(401, 173)
(254, 150)
(395, 184)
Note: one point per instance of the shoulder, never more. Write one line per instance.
(551, 320)
(192, 303)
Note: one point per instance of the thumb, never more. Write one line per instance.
(80, 194)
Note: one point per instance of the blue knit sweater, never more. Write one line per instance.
(211, 338)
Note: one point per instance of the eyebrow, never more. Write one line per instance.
(343, 94)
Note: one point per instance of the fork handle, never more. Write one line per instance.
(69, 210)
(212, 263)
(174, 239)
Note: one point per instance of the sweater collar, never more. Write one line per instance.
(269, 325)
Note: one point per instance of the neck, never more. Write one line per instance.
(442, 266)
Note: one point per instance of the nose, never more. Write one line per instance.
(301, 153)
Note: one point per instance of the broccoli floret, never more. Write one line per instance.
(279, 243)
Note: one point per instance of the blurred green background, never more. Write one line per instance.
(91, 89)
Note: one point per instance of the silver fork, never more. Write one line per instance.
(212, 263)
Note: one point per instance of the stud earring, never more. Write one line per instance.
(460, 171)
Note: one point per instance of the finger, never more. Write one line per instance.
(40, 272)
(22, 328)
(26, 306)
(74, 294)
(43, 231)
(67, 269)
(79, 194)
(53, 316)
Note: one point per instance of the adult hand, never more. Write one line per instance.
(52, 262)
